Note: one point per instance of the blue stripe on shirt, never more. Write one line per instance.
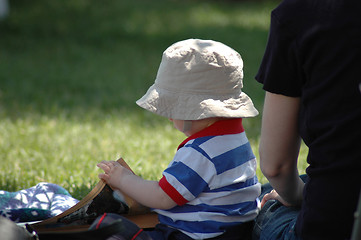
(184, 173)
(239, 155)
(199, 141)
(236, 186)
(237, 209)
(198, 149)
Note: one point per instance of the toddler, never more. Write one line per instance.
(210, 188)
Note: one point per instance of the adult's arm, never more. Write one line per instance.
(279, 148)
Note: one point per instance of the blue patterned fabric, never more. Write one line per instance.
(40, 202)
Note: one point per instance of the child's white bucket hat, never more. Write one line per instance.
(199, 79)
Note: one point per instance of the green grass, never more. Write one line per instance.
(71, 71)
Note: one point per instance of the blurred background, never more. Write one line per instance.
(71, 71)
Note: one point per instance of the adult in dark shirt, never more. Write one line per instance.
(311, 72)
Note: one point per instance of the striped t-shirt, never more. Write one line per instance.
(213, 180)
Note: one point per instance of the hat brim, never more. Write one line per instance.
(196, 106)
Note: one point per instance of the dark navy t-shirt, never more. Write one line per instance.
(314, 53)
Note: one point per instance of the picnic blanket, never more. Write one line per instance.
(37, 203)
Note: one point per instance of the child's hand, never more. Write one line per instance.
(147, 193)
(113, 173)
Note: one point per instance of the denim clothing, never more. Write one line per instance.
(276, 221)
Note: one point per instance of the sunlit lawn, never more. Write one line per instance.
(71, 71)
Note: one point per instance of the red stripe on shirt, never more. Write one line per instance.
(222, 127)
(172, 192)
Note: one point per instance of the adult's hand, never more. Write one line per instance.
(273, 195)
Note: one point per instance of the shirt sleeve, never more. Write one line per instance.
(183, 180)
(279, 71)
(172, 192)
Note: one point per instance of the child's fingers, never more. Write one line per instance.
(105, 166)
(102, 165)
(103, 176)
